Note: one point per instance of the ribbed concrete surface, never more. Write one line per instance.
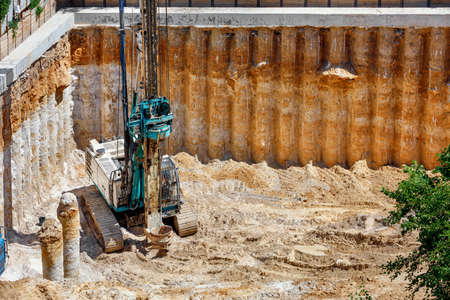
(290, 95)
(36, 136)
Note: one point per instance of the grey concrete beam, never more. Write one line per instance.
(3, 85)
(274, 17)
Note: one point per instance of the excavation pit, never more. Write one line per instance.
(253, 104)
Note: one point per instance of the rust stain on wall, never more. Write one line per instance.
(291, 95)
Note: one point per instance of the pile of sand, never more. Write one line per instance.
(263, 233)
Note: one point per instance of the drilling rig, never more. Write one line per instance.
(134, 184)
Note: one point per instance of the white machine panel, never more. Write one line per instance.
(103, 167)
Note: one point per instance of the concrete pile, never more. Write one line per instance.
(60, 242)
(69, 217)
(51, 240)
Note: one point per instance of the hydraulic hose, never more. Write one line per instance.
(123, 65)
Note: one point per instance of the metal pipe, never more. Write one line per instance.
(126, 136)
(124, 81)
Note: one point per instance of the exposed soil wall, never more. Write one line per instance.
(96, 71)
(37, 138)
(285, 95)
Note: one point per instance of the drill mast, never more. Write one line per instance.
(149, 122)
(136, 184)
(150, 40)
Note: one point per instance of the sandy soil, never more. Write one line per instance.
(304, 232)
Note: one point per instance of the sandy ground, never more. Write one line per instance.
(300, 233)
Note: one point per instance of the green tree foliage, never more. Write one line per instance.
(423, 206)
(39, 10)
(4, 7)
(14, 25)
(35, 3)
(361, 294)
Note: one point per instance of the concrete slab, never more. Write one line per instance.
(257, 17)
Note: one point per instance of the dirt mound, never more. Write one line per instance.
(305, 232)
(30, 289)
(107, 290)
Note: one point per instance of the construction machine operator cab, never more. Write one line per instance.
(170, 187)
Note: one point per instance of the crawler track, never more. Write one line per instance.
(101, 220)
(185, 221)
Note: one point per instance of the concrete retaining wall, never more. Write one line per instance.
(286, 95)
(262, 3)
(276, 17)
(33, 47)
(290, 85)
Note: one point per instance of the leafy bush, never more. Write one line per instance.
(423, 205)
(361, 294)
(39, 11)
(35, 3)
(14, 25)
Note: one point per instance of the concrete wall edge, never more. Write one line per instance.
(21, 58)
(277, 17)
(12, 66)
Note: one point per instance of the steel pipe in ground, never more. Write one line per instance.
(68, 215)
(50, 237)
